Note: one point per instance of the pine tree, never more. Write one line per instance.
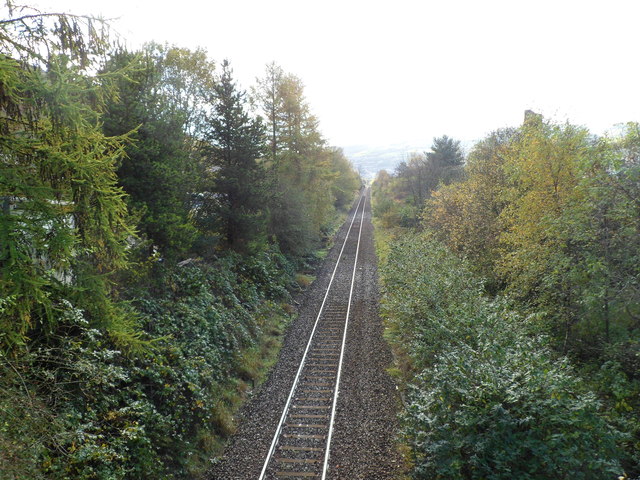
(444, 161)
(237, 142)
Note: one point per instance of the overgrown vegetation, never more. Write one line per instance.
(532, 371)
(109, 414)
(144, 267)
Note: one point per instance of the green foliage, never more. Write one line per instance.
(422, 322)
(548, 213)
(391, 206)
(157, 171)
(64, 224)
(466, 214)
(236, 142)
(487, 398)
(500, 413)
(27, 426)
(117, 361)
(446, 152)
(346, 179)
(289, 222)
(619, 389)
(213, 327)
(420, 175)
(308, 180)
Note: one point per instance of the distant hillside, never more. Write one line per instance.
(370, 160)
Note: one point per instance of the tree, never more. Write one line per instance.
(64, 225)
(466, 214)
(603, 224)
(302, 199)
(236, 142)
(538, 252)
(161, 99)
(267, 95)
(187, 81)
(417, 179)
(446, 152)
(293, 129)
(346, 181)
(444, 161)
(422, 173)
(308, 179)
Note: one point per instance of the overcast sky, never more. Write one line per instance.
(405, 71)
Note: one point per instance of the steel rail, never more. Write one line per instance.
(325, 467)
(285, 411)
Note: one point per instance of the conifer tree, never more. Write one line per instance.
(236, 143)
(64, 224)
(157, 172)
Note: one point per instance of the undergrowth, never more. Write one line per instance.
(80, 408)
(486, 396)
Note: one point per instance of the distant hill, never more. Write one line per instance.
(369, 160)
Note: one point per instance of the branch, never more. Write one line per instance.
(39, 15)
(24, 384)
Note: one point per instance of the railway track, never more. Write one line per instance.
(301, 443)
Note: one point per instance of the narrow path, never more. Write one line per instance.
(364, 427)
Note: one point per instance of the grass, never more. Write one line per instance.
(253, 365)
(304, 280)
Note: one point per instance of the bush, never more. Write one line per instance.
(501, 413)
(487, 398)
(95, 412)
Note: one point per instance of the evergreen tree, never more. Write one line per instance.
(64, 225)
(156, 171)
(236, 143)
(444, 161)
(446, 152)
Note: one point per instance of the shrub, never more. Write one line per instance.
(504, 413)
(74, 406)
(487, 398)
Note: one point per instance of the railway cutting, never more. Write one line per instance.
(328, 409)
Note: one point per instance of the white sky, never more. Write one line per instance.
(405, 71)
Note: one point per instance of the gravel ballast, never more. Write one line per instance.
(363, 444)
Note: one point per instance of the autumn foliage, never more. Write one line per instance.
(547, 216)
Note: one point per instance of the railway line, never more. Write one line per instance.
(328, 409)
(301, 444)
